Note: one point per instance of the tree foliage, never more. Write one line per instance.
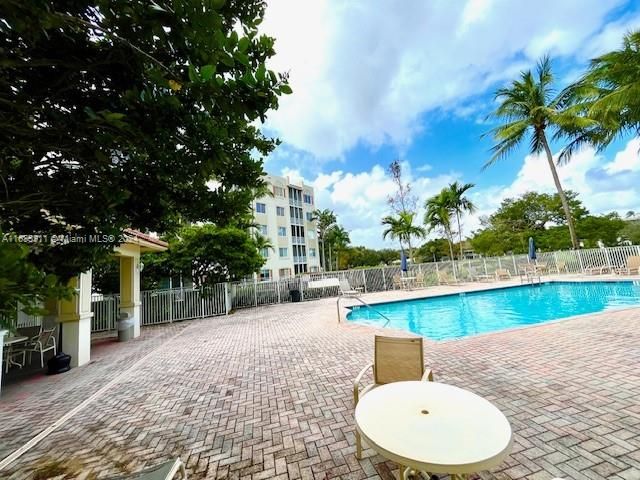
(129, 113)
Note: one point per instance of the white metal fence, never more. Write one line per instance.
(162, 306)
(165, 306)
(253, 294)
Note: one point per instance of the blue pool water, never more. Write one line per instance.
(466, 314)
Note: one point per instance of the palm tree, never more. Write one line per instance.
(529, 106)
(325, 220)
(609, 94)
(460, 204)
(401, 227)
(438, 215)
(262, 243)
(338, 238)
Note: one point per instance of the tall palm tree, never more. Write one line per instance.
(338, 239)
(438, 215)
(460, 204)
(402, 228)
(325, 219)
(530, 107)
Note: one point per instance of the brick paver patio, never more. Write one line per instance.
(266, 393)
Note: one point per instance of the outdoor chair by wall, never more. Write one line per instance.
(445, 279)
(164, 471)
(43, 342)
(503, 274)
(632, 266)
(479, 277)
(395, 360)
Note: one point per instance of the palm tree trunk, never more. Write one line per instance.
(410, 250)
(323, 256)
(459, 233)
(563, 197)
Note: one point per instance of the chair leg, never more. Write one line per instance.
(358, 446)
(41, 359)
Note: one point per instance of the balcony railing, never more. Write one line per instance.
(297, 221)
(297, 240)
(300, 259)
(294, 202)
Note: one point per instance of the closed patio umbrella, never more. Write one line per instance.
(403, 262)
(532, 249)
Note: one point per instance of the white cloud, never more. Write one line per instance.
(365, 75)
(603, 185)
(360, 199)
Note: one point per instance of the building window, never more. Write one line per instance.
(312, 252)
(282, 231)
(308, 198)
(264, 252)
(261, 208)
(311, 234)
(278, 191)
(309, 216)
(265, 275)
(284, 272)
(280, 211)
(283, 252)
(263, 229)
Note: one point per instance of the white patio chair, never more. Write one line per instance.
(43, 342)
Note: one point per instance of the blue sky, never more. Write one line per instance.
(373, 82)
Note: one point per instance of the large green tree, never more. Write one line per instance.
(129, 113)
(338, 240)
(528, 107)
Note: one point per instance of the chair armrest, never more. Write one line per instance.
(356, 383)
(427, 376)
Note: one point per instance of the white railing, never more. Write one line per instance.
(165, 306)
(376, 279)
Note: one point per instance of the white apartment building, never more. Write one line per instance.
(285, 218)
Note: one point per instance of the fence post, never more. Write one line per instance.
(608, 257)
(255, 290)
(515, 266)
(301, 289)
(278, 289)
(453, 267)
(200, 292)
(384, 280)
(499, 263)
(170, 297)
(638, 250)
(555, 259)
(484, 262)
(364, 280)
(227, 298)
(580, 261)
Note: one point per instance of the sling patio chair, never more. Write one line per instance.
(43, 342)
(395, 360)
(632, 266)
(346, 290)
(445, 279)
(592, 269)
(503, 274)
(479, 277)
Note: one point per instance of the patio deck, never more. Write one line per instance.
(266, 393)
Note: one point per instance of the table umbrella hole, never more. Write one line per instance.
(424, 412)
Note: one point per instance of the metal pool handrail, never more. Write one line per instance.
(388, 320)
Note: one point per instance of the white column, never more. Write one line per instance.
(130, 287)
(74, 317)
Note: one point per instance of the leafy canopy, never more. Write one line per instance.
(129, 113)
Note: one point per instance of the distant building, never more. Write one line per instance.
(285, 219)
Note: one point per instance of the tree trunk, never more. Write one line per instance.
(323, 257)
(459, 234)
(563, 197)
(330, 262)
(410, 250)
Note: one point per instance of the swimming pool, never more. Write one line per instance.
(466, 314)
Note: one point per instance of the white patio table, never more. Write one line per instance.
(9, 342)
(433, 427)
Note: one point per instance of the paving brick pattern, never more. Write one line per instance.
(266, 393)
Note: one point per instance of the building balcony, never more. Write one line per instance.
(297, 240)
(295, 203)
(300, 259)
(297, 221)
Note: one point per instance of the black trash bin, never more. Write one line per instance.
(295, 295)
